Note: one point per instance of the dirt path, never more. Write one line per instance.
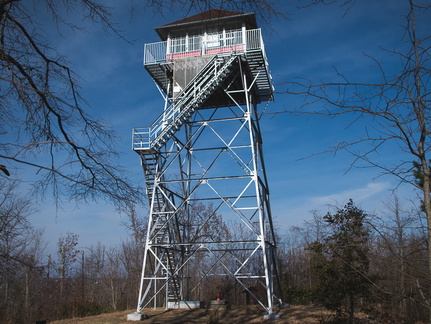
(241, 315)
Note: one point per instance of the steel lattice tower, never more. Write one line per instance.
(208, 194)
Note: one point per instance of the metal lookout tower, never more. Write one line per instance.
(210, 217)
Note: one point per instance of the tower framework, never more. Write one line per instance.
(210, 216)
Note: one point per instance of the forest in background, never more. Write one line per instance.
(347, 260)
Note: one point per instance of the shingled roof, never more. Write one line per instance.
(210, 16)
(207, 15)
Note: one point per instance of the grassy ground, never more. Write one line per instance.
(238, 314)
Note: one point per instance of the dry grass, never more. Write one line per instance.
(239, 314)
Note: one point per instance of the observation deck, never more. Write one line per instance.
(196, 50)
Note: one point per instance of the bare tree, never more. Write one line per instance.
(131, 261)
(113, 277)
(135, 225)
(399, 257)
(43, 118)
(94, 266)
(14, 224)
(67, 256)
(21, 249)
(299, 277)
(395, 110)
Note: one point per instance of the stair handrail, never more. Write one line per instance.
(141, 138)
(172, 110)
(146, 137)
(183, 102)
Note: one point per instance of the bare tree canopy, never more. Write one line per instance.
(393, 108)
(44, 121)
(264, 9)
(43, 118)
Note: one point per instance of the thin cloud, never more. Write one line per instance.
(357, 194)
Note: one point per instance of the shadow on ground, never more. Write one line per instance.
(236, 315)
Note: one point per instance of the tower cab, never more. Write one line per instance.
(189, 44)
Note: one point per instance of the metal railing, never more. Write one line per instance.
(229, 41)
(145, 137)
(254, 39)
(141, 138)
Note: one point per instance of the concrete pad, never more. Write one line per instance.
(219, 304)
(186, 304)
(136, 316)
(272, 316)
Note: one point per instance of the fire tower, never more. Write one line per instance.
(210, 216)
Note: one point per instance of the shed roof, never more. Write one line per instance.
(207, 17)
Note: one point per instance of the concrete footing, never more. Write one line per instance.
(136, 316)
(186, 304)
(272, 316)
(219, 304)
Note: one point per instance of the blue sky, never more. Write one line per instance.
(307, 44)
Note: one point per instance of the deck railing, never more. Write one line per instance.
(227, 42)
(141, 138)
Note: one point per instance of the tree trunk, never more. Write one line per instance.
(420, 106)
(352, 309)
(427, 208)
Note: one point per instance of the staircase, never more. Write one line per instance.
(161, 236)
(259, 70)
(161, 73)
(199, 89)
(174, 284)
(169, 258)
